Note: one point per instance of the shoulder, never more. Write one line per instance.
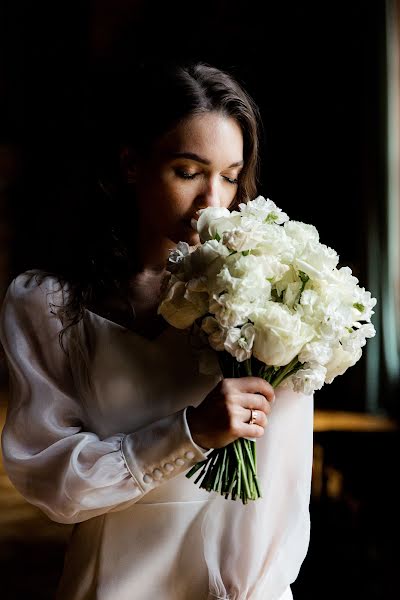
(35, 292)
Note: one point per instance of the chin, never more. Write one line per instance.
(186, 234)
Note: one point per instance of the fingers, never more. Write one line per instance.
(255, 385)
(257, 402)
(254, 430)
(259, 417)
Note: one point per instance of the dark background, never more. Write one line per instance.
(317, 72)
(315, 69)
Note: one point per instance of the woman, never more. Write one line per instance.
(108, 410)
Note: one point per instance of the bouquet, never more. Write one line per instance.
(268, 299)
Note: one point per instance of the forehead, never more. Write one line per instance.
(210, 135)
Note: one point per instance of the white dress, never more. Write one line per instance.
(98, 437)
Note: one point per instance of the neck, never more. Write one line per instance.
(153, 256)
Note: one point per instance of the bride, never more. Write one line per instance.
(108, 409)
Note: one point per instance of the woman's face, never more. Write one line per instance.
(194, 166)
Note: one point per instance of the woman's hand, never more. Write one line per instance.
(222, 417)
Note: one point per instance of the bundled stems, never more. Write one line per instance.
(232, 470)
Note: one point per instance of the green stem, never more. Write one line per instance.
(242, 469)
(247, 366)
(290, 368)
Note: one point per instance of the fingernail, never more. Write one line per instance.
(273, 399)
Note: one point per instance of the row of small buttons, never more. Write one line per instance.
(168, 467)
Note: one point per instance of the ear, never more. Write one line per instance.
(128, 162)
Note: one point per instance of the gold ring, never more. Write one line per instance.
(253, 417)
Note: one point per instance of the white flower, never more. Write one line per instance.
(266, 286)
(363, 303)
(228, 310)
(239, 342)
(263, 210)
(280, 334)
(275, 243)
(309, 378)
(341, 360)
(208, 259)
(177, 256)
(301, 233)
(216, 333)
(292, 293)
(358, 338)
(181, 305)
(247, 236)
(214, 221)
(316, 260)
(267, 267)
(316, 352)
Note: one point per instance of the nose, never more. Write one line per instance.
(209, 194)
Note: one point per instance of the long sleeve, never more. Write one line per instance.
(49, 454)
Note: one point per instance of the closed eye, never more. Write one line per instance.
(230, 180)
(186, 174)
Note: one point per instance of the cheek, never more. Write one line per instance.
(178, 196)
(228, 195)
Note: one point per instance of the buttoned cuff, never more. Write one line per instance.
(160, 451)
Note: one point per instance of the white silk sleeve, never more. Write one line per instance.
(49, 454)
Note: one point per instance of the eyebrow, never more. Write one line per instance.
(204, 161)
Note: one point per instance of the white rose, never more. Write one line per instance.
(245, 237)
(280, 334)
(216, 220)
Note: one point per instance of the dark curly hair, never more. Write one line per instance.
(132, 107)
